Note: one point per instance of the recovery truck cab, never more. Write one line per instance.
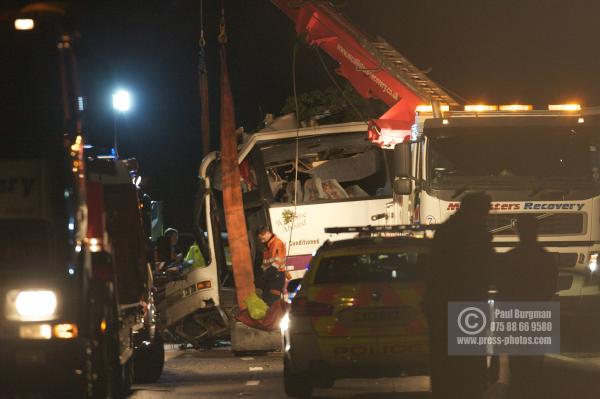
(540, 162)
(46, 334)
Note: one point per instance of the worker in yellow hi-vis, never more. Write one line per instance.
(194, 256)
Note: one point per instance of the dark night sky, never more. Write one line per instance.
(530, 51)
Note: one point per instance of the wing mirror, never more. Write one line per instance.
(402, 169)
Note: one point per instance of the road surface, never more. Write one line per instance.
(218, 374)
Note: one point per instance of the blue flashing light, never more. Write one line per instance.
(111, 155)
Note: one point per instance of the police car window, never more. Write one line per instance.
(368, 267)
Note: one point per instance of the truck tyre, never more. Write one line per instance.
(149, 361)
(109, 371)
(85, 389)
(296, 385)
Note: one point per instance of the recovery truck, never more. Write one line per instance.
(540, 160)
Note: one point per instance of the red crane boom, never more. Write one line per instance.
(373, 67)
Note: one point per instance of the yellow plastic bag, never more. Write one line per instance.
(257, 308)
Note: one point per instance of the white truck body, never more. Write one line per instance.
(567, 207)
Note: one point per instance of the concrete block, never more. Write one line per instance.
(248, 339)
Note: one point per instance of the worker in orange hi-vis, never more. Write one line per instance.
(272, 280)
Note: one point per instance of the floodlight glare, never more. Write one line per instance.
(121, 100)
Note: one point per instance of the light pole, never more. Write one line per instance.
(121, 102)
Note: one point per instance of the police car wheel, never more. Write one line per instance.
(296, 385)
(149, 361)
(324, 382)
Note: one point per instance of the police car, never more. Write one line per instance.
(358, 313)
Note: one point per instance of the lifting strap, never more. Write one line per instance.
(222, 31)
(235, 219)
(203, 87)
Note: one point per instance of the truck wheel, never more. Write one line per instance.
(296, 385)
(114, 379)
(149, 361)
(109, 371)
(85, 388)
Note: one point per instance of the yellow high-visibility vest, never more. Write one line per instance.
(195, 255)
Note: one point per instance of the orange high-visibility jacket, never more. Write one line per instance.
(274, 253)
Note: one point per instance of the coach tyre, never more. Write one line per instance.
(296, 385)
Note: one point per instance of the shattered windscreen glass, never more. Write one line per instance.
(335, 167)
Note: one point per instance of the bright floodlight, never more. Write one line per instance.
(24, 24)
(121, 100)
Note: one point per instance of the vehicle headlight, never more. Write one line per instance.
(284, 323)
(31, 305)
(593, 264)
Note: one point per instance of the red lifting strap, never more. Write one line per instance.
(232, 190)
